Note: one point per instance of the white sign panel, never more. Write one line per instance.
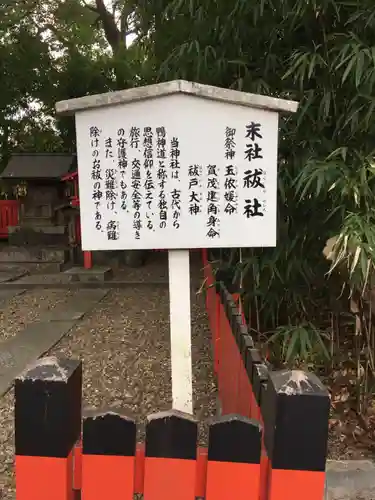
(177, 172)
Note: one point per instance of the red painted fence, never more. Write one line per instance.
(269, 444)
(9, 216)
(291, 405)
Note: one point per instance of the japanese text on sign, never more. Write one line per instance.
(159, 184)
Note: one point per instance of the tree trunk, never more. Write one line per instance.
(5, 152)
(111, 31)
(116, 38)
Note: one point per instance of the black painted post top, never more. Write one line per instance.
(108, 432)
(224, 294)
(262, 395)
(253, 358)
(48, 407)
(246, 344)
(224, 280)
(238, 328)
(238, 324)
(171, 434)
(295, 412)
(260, 376)
(231, 310)
(233, 438)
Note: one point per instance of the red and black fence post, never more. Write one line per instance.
(108, 456)
(224, 351)
(260, 381)
(260, 378)
(170, 456)
(245, 343)
(233, 468)
(233, 353)
(47, 425)
(295, 412)
(253, 358)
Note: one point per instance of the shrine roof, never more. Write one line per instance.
(38, 166)
(234, 97)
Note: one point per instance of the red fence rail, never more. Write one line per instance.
(291, 405)
(269, 444)
(9, 216)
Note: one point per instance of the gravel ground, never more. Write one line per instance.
(26, 308)
(156, 268)
(124, 345)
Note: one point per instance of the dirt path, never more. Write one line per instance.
(124, 345)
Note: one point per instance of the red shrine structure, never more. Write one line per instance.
(72, 190)
(40, 202)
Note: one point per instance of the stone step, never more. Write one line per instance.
(38, 235)
(34, 254)
(96, 273)
(6, 276)
(37, 221)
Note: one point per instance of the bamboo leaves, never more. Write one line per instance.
(322, 53)
(300, 343)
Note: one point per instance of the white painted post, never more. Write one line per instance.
(180, 328)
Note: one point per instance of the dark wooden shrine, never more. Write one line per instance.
(35, 179)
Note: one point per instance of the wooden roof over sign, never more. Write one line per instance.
(38, 166)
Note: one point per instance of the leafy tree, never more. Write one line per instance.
(51, 51)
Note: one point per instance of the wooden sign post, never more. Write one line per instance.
(177, 166)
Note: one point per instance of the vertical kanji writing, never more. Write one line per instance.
(253, 208)
(161, 144)
(175, 175)
(195, 194)
(113, 230)
(96, 175)
(122, 165)
(135, 137)
(253, 151)
(230, 173)
(176, 207)
(175, 158)
(254, 177)
(136, 197)
(149, 185)
(213, 202)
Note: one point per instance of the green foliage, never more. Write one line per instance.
(54, 50)
(302, 343)
(321, 53)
